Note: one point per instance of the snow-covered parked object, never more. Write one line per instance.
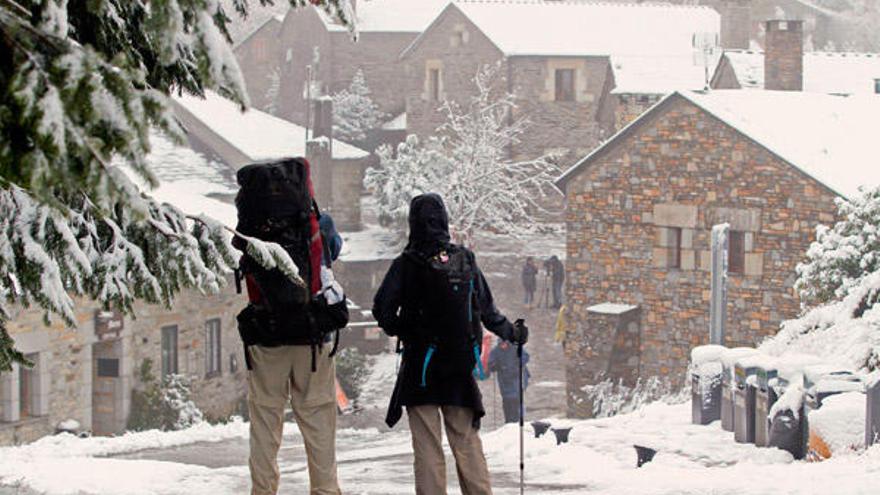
(71, 426)
(728, 359)
(706, 383)
(707, 353)
(838, 426)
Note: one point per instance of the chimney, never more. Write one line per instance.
(322, 117)
(736, 23)
(784, 55)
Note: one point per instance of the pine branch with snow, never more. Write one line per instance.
(355, 114)
(468, 163)
(844, 254)
(83, 83)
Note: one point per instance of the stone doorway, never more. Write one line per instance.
(108, 415)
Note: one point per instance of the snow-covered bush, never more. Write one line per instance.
(355, 114)
(840, 284)
(351, 371)
(843, 255)
(469, 164)
(162, 405)
(610, 398)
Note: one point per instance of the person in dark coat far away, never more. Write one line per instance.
(529, 280)
(503, 361)
(434, 298)
(556, 270)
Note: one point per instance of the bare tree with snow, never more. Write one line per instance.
(468, 162)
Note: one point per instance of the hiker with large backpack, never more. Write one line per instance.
(289, 325)
(434, 299)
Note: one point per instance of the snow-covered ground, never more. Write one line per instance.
(599, 459)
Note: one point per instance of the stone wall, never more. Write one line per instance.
(628, 107)
(458, 49)
(66, 361)
(375, 53)
(606, 347)
(259, 58)
(682, 169)
(568, 127)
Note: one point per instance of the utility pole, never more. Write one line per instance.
(718, 308)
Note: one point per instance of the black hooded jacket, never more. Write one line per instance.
(399, 309)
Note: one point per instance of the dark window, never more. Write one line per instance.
(564, 84)
(877, 86)
(108, 367)
(674, 247)
(736, 252)
(169, 350)
(212, 347)
(27, 388)
(434, 84)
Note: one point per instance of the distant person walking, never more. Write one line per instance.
(503, 362)
(529, 281)
(556, 271)
(434, 298)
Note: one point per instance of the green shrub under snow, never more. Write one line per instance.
(162, 404)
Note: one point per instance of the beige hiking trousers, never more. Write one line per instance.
(279, 375)
(464, 439)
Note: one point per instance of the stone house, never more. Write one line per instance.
(219, 129)
(258, 53)
(309, 39)
(785, 65)
(640, 209)
(554, 56)
(87, 373)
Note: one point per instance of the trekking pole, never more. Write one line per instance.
(522, 465)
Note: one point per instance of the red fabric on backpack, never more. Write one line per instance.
(316, 248)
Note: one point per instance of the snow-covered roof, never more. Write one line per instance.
(396, 124)
(403, 16)
(271, 21)
(187, 180)
(832, 139)
(576, 28)
(824, 72)
(611, 308)
(657, 75)
(256, 134)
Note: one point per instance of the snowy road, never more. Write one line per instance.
(599, 459)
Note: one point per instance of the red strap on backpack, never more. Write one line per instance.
(316, 247)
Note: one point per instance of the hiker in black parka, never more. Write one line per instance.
(436, 376)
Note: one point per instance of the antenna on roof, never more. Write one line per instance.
(706, 45)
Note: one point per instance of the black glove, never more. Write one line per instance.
(520, 333)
